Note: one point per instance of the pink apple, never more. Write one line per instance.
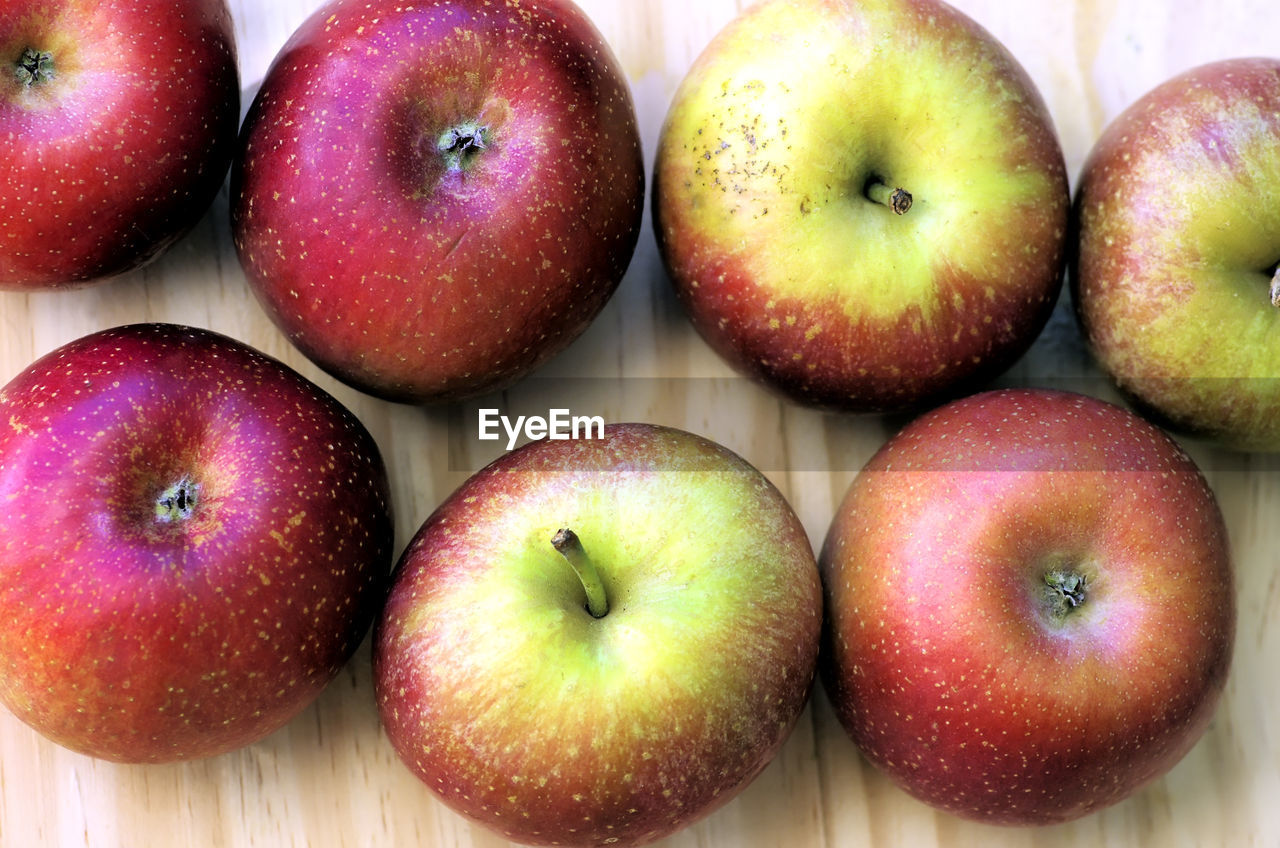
(433, 198)
(195, 539)
(1030, 606)
(119, 120)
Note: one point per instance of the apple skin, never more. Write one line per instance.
(525, 713)
(943, 652)
(1178, 212)
(785, 265)
(120, 153)
(140, 631)
(396, 273)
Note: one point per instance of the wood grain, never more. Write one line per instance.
(330, 779)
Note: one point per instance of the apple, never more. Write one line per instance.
(599, 641)
(1030, 606)
(1175, 277)
(119, 121)
(195, 539)
(861, 203)
(432, 199)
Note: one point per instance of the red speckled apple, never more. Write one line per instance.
(1030, 606)
(195, 539)
(1176, 280)
(862, 203)
(119, 121)
(619, 705)
(433, 198)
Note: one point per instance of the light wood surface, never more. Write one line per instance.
(330, 778)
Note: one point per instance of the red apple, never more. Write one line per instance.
(1176, 281)
(621, 704)
(1030, 606)
(195, 539)
(119, 120)
(433, 198)
(862, 204)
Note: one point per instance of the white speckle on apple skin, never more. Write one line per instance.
(141, 639)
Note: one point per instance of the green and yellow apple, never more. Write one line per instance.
(1030, 606)
(862, 203)
(599, 641)
(1175, 278)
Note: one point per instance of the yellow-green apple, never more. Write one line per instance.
(433, 198)
(195, 539)
(1030, 606)
(598, 641)
(862, 203)
(1175, 278)
(119, 120)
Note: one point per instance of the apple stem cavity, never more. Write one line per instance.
(1065, 592)
(178, 502)
(459, 145)
(897, 199)
(1275, 287)
(570, 547)
(34, 67)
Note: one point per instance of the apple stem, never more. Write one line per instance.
(897, 199)
(34, 67)
(570, 547)
(1065, 592)
(1275, 288)
(459, 144)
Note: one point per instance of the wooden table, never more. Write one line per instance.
(330, 778)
